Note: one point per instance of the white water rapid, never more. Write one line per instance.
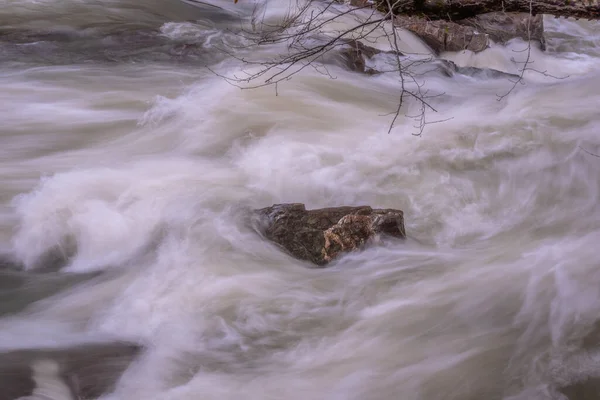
(122, 151)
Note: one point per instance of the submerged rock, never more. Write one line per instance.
(9, 263)
(84, 372)
(449, 69)
(321, 235)
(19, 289)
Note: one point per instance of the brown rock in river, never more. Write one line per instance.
(320, 235)
(444, 35)
(355, 55)
(502, 27)
(474, 34)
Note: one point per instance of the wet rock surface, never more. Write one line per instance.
(475, 34)
(502, 27)
(450, 69)
(86, 371)
(322, 235)
(444, 35)
(355, 56)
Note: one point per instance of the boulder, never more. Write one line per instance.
(355, 54)
(502, 27)
(86, 371)
(475, 33)
(321, 235)
(445, 36)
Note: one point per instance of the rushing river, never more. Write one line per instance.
(129, 163)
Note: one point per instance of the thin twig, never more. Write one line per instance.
(589, 152)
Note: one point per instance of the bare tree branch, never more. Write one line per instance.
(589, 152)
(307, 39)
(308, 36)
(522, 73)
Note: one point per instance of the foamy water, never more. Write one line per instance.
(122, 152)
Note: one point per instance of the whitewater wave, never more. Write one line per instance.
(145, 174)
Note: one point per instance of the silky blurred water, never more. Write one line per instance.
(122, 152)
